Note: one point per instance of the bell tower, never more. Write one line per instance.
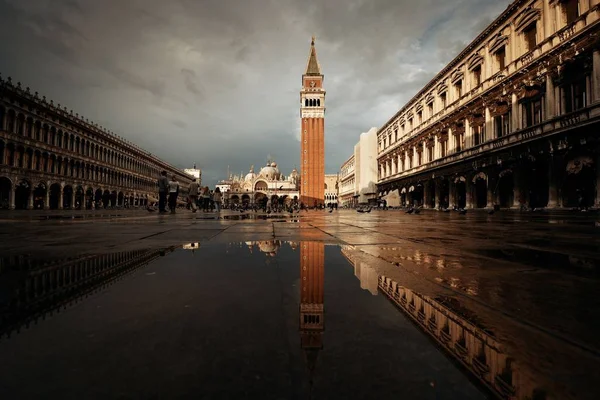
(312, 148)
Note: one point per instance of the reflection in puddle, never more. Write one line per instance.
(464, 337)
(32, 289)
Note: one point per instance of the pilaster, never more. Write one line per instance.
(11, 197)
(47, 198)
(596, 76)
(516, 120)
(550, 99)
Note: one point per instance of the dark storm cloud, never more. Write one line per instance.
(216, 81)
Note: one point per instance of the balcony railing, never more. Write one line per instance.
(563, 122)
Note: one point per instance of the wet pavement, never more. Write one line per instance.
(296, 306)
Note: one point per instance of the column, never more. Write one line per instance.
(451, 193)
(597, 200)
(450, 149)
(438, 193)
(30, 200)
(491, 184)
(60, 199)
(399, 164)
(426, 195)
(550, 99)
(516, 121)
(47, 199)
(489, 125)
(11, 197)
(468, 135)
(73, 197)
(596, 76)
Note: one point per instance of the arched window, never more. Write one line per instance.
(306, 102)
(318, 102)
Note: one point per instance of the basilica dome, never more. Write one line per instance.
(270, 171)
(250, 175)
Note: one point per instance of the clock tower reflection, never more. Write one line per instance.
(312, 278)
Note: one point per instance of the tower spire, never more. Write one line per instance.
(312, 66)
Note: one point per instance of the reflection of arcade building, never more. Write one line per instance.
(268, 184)
(33, 288)
(312, 279)
(472, 346)
(513, 120)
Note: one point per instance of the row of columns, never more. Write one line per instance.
(30, 198)
(519, 193)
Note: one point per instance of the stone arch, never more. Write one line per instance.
(29, 127)
(20, 124)
(89, 198)
(480, 182)
(5, 192)
(261, 185)
(54, 196)
(39, 196)
(579, 186)
(79, 198)
(10, 120)
(506, 188)
(68, 197)
(22, 194)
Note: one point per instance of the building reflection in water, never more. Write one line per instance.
(30, 290)
(312, 280)
(473, 346)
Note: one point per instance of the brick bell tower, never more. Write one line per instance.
(312, 149)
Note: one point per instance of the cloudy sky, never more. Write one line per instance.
(216, 82)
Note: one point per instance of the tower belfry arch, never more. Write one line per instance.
(312, 148)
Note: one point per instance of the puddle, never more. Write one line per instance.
(293, 319)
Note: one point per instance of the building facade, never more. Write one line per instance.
(312, 147)
(358, 174)
(512, 121)
(331, 189)
(253, 188)
(347, 182)
(51, 158)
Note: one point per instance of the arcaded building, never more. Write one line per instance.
(512, 121)
(312, 147)
(52, 158)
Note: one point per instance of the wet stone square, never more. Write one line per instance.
(309, 306)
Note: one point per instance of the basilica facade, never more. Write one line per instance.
(52, 158)
(512, 121)
(269, 183)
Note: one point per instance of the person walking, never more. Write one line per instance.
(193, 195)
(163, 191)
(217, 199)
(173, 192)
(205, 198)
